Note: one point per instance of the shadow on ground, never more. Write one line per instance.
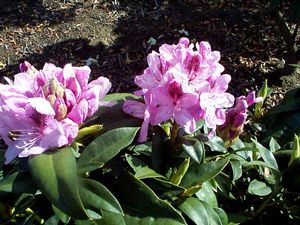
(146, 25)
(19, 13)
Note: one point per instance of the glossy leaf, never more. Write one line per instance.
(105, 147)
(216, 144)
(56, 175)
(160, 145)
(62, 216)
(18, 182)
(273, 145)
(237, 171)
(164, 189)
(114, 117)
(98, 198)
(259, 188)
(206, 194)
(108, 218)
(53, 220)
(194, 149)
(197, 174)
(141, 170)
(142, 206)
(201, 213)
(266, 154)
(179, 172)
(296, 149)
(117, 97)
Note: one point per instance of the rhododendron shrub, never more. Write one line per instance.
(41, 110)
(183, 83)
(88, 166)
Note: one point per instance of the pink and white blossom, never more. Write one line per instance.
(183, 83)
(40, 110)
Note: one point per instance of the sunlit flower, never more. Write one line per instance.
(41, 110)
(185, 84)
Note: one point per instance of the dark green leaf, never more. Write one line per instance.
(216, 144)
(164, 189)
(114, 117)
(141, 170)
(274, 146)
(56, 175)
(160, 145)
(178, 173)
(97, 197)
(194, 149)
(142, 206)
(237, 171)
(105, 147)
(18, 182)
(197, 174)
(24, 201)
(259, 188)
(206, 194)
(53, 220)
(144, 148)
(266, 154)
(62, 216)
(201, 213)
(108, 218)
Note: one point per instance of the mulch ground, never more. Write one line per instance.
(114, 37)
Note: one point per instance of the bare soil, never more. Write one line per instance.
(114, 37)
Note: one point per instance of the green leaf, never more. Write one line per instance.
(144, 148)
(56, 175)
(98, 198)
(266, 154)
(142, 205)
(18, 182)
(105, 147)
(216, 144)
(114, 117)
(263, 92)
(201, 213)
(108, 218)
(274, 146)
(53, 220)
(62, 216)
(141, 170)
(259, 188)
(24, 201)
(119, 97)
(194, 149)
(206, 194)
(164, 189)
(198, 174)
(160, 145)
(179, 172)
(296, 149)
(237, 171)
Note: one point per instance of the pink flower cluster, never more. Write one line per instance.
(236, 118)
(182, 83)
(41, 110)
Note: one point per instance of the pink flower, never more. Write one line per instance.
(183, 83)
(41, 110)
(236, 118)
